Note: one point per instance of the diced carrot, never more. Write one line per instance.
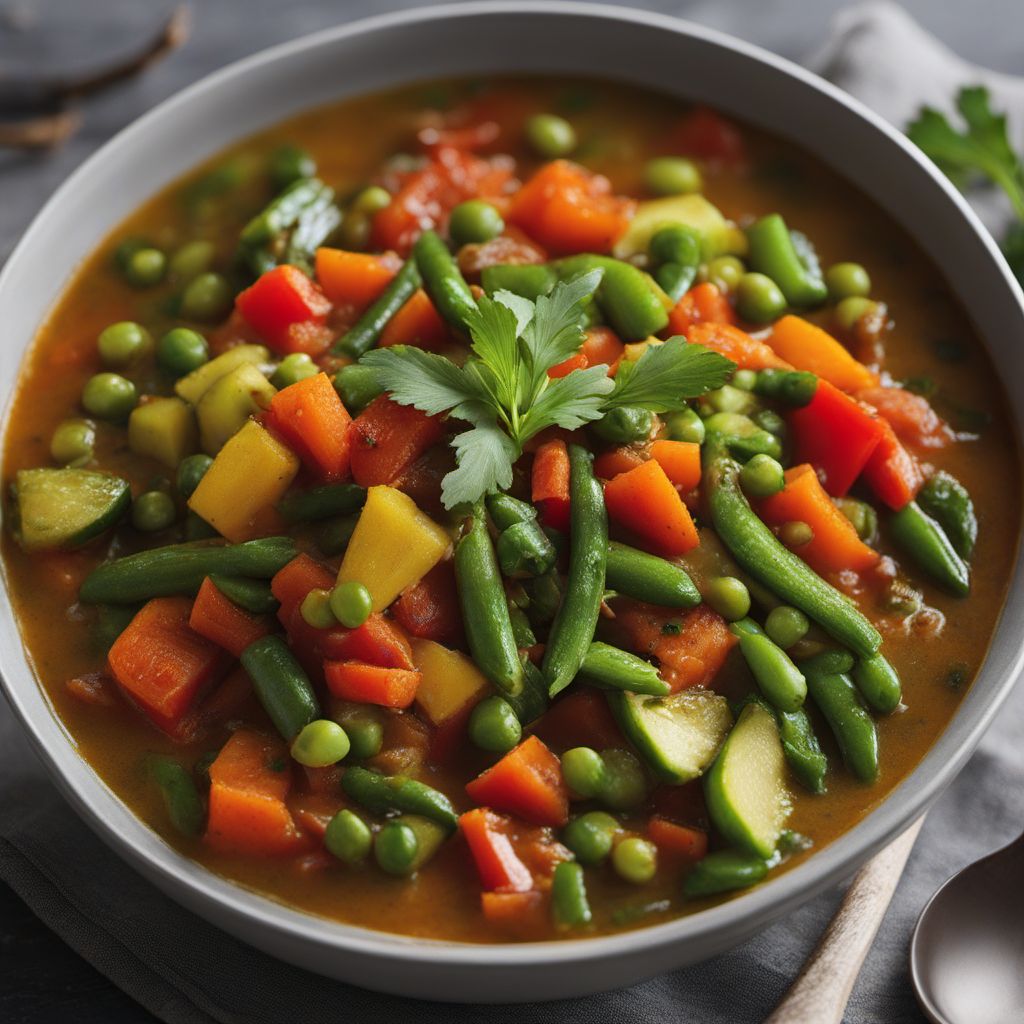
(808, 347)
(550, 484)
(225, 701)
(835, 545)
(164, 665)
(429, 609)
(313, 422)
(287, 310)
(219, 619)
(892, 472)
(680, 460)
(602, 345)
(371, 684)
(644, 502)
(746, 352)
(523, 914)
(417, 323)
(354, 279)
(497, 862)
(527, 782)
(836, 435)
(293, 582)
(614, 461)
(568, 209)
(378, 641)
(387, 437)
(313, 811)
(677, 841)
(704, 303)
(249, 782)
(916, 423)
(690, 647)
(577, 361)
(706, 134)
(581, 718)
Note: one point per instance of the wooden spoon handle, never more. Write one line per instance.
(822, 989)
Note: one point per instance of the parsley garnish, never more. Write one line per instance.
(505, 392)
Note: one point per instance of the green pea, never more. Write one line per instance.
(321, 743)
(862, 516)
(625, 786)
(348, 837)
(207, 297)
(475, 221)
(762, 476)
(590, 836)
(73, 442)
(181, 351)
(372, 200)
(726, 272)
(672, 175)
(493, 725)
(192, 259)
(845, 280)
(153, 511)
(850, 310)
(109, 396)
(298, 366)
(354, 233)
(191, 470)
(731, 399)
(550, 136)
(351, 604)
(584, 772)
(316, 609)
(123, 344)
(395, 848)
(145, 268)
(759, 299)
(366, 735)
(635, 860)
(684, 425)
(333, 536)
(796, 534)
(728, 596)
(770, 420)
(288, 163)
(745, 380)
(786, 626)
(126, 250)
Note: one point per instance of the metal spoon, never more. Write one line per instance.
(967, 954)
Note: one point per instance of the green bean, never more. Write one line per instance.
(742, 436)
(878, 683)
(611, 667)
(948, 502)
(624, 425)
(924, 540)
(574, 625)
(790, 387)
(532, 700)
(484, 607)
(443, 280)
(836, 697)
(179, 792)
(281, 685)
(288, 163)
(383, 794)
(111, 621)
(773, 253)
(723, 871)
(758, 551)
(648, 578)
(676, 251)
(521, 628)
(802, 750)
(334, 534)
(781, 682)
(322, 502)
(253, 595)
(181, 569)
(530, 280)
(524, 550)
(366, 332)
(357, 387)
(545, 594)
(569, 895)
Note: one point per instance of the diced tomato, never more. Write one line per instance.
(892, 473)
(288, 311)
(703, 304)
(378, 641)
(387, 438)
(577, 361)
(915, 422)
(526, 782)
(707, 135)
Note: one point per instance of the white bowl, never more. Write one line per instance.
(646, 49)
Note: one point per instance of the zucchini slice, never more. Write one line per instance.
(66, 508)
(746, 788)
(679, 735)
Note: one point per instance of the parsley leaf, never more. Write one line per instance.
(570, 401)
(484, 456)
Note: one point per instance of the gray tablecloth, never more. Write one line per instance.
(186, 972)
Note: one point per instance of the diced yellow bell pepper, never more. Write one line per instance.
(450, 681)
(394, 545)
(248, 477)
(692, 211)
(229, 402)
(194, 385)
(163, 429)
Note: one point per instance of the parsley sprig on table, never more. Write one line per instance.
(505, 392)
(982, 149)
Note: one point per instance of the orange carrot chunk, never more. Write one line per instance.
(417, 323)
(292, 583)
(354, 279)
(498, 864)
(372, 684)
(387, 438)
(703, 304)
(219, 619)
(611, 463)
(677, 841)
(808, 347)
(680, 460)
(550, 483)
(645, 502)
(892, 472)
(746, 352)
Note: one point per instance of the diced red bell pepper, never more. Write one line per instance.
(893, 474)
(288, 311)
(526, 782)
(706, 134)
(498, 864)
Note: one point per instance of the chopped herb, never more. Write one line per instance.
(672, 629)
(957, 676)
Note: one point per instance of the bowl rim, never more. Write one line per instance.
(192, 884)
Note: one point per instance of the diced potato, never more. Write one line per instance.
(229, 402)
(194, 385)
(692, 211)
(450, 681)
(394, 545)
(632, 352)
(163, 429)
(248, 477)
